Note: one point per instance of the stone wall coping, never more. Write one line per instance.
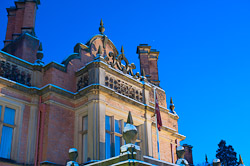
(160, 161)
(17, 60)
(56, 65)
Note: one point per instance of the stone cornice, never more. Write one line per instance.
(53, 88)
(173, 131)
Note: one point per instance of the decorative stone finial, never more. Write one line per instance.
(99, 54)
(101, 28)
(172, 107)
(39, 55)
(206, 158)
(241, 161)
(99, 50)
(73, 154)
(216, 162)
(180, 151)
(122, 50)
(130, 119)
(130, 134)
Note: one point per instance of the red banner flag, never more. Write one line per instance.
(157, 112)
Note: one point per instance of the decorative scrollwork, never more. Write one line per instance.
(127, 68)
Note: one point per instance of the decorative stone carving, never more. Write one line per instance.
(127, 68)
(123, 88)
(83, 81)
(13, 72)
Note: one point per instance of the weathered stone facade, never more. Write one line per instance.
(50, 101)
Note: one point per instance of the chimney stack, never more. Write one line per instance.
(149, 62)
(188, 153)
(21, 19)
(20, 39)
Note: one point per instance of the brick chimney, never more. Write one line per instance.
(20, 37)
(21, 19)
(148, 61)
(188, 153)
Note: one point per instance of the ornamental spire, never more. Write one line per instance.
(172, 107)
(122, 50)
(240, 160)
(101, 28)
(206, 158)
(130, 120)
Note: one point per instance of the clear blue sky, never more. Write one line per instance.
(203, 64)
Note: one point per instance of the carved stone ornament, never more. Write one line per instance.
(12, 72)
(123, 88)
(127, 68)
(83, 81)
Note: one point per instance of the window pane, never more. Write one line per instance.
(6, 139)
(117, 126)
(85, 123)
(85, 147)
(108, 145)
(117, 145)
(107, 123)
(0, 111)
(9, 116)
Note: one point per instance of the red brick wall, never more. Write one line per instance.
(10, 25)
(59, 133)
(19, 17)
(59, 78)
(153, 69)
(29, 14)
(144, 64)
(188, 154)
(24, 136)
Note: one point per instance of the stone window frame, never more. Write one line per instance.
(16, 136)
(78, 139)
(84, 132)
